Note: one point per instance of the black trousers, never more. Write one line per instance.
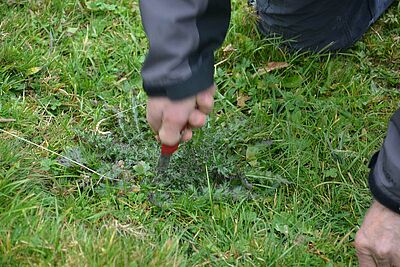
(319, 24)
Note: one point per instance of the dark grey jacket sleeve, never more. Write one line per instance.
(384, 179)
(183, 35)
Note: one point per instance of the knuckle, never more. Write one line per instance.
(205, 99)
(383, 251)
(206, 109)
(209, 106)
(201, 121)
(360, 242)
(187, 135)
(197, 119)
(198, 124)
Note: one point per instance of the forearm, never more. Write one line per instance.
(183, 35)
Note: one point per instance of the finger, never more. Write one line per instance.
(396, 257)
(383, 262)
(205, 100)
(187, 135)
(366, 260)
(382, 254)
(197, 118)
(395, 260)
(365, 257)
(212, 89)
(170, 131)
(154, 114)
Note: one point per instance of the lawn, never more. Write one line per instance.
(77, 159)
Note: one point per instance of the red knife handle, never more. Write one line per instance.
(169, 150)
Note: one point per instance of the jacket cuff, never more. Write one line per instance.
(380, 195)
(201, 79)
(384, 178)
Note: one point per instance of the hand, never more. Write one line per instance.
(378, 240)
(167, 118)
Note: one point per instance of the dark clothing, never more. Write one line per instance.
(384, 179)
(184, 34)
(319, 24)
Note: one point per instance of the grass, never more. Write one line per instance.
(302, 136)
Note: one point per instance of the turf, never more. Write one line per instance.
(301, 136)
